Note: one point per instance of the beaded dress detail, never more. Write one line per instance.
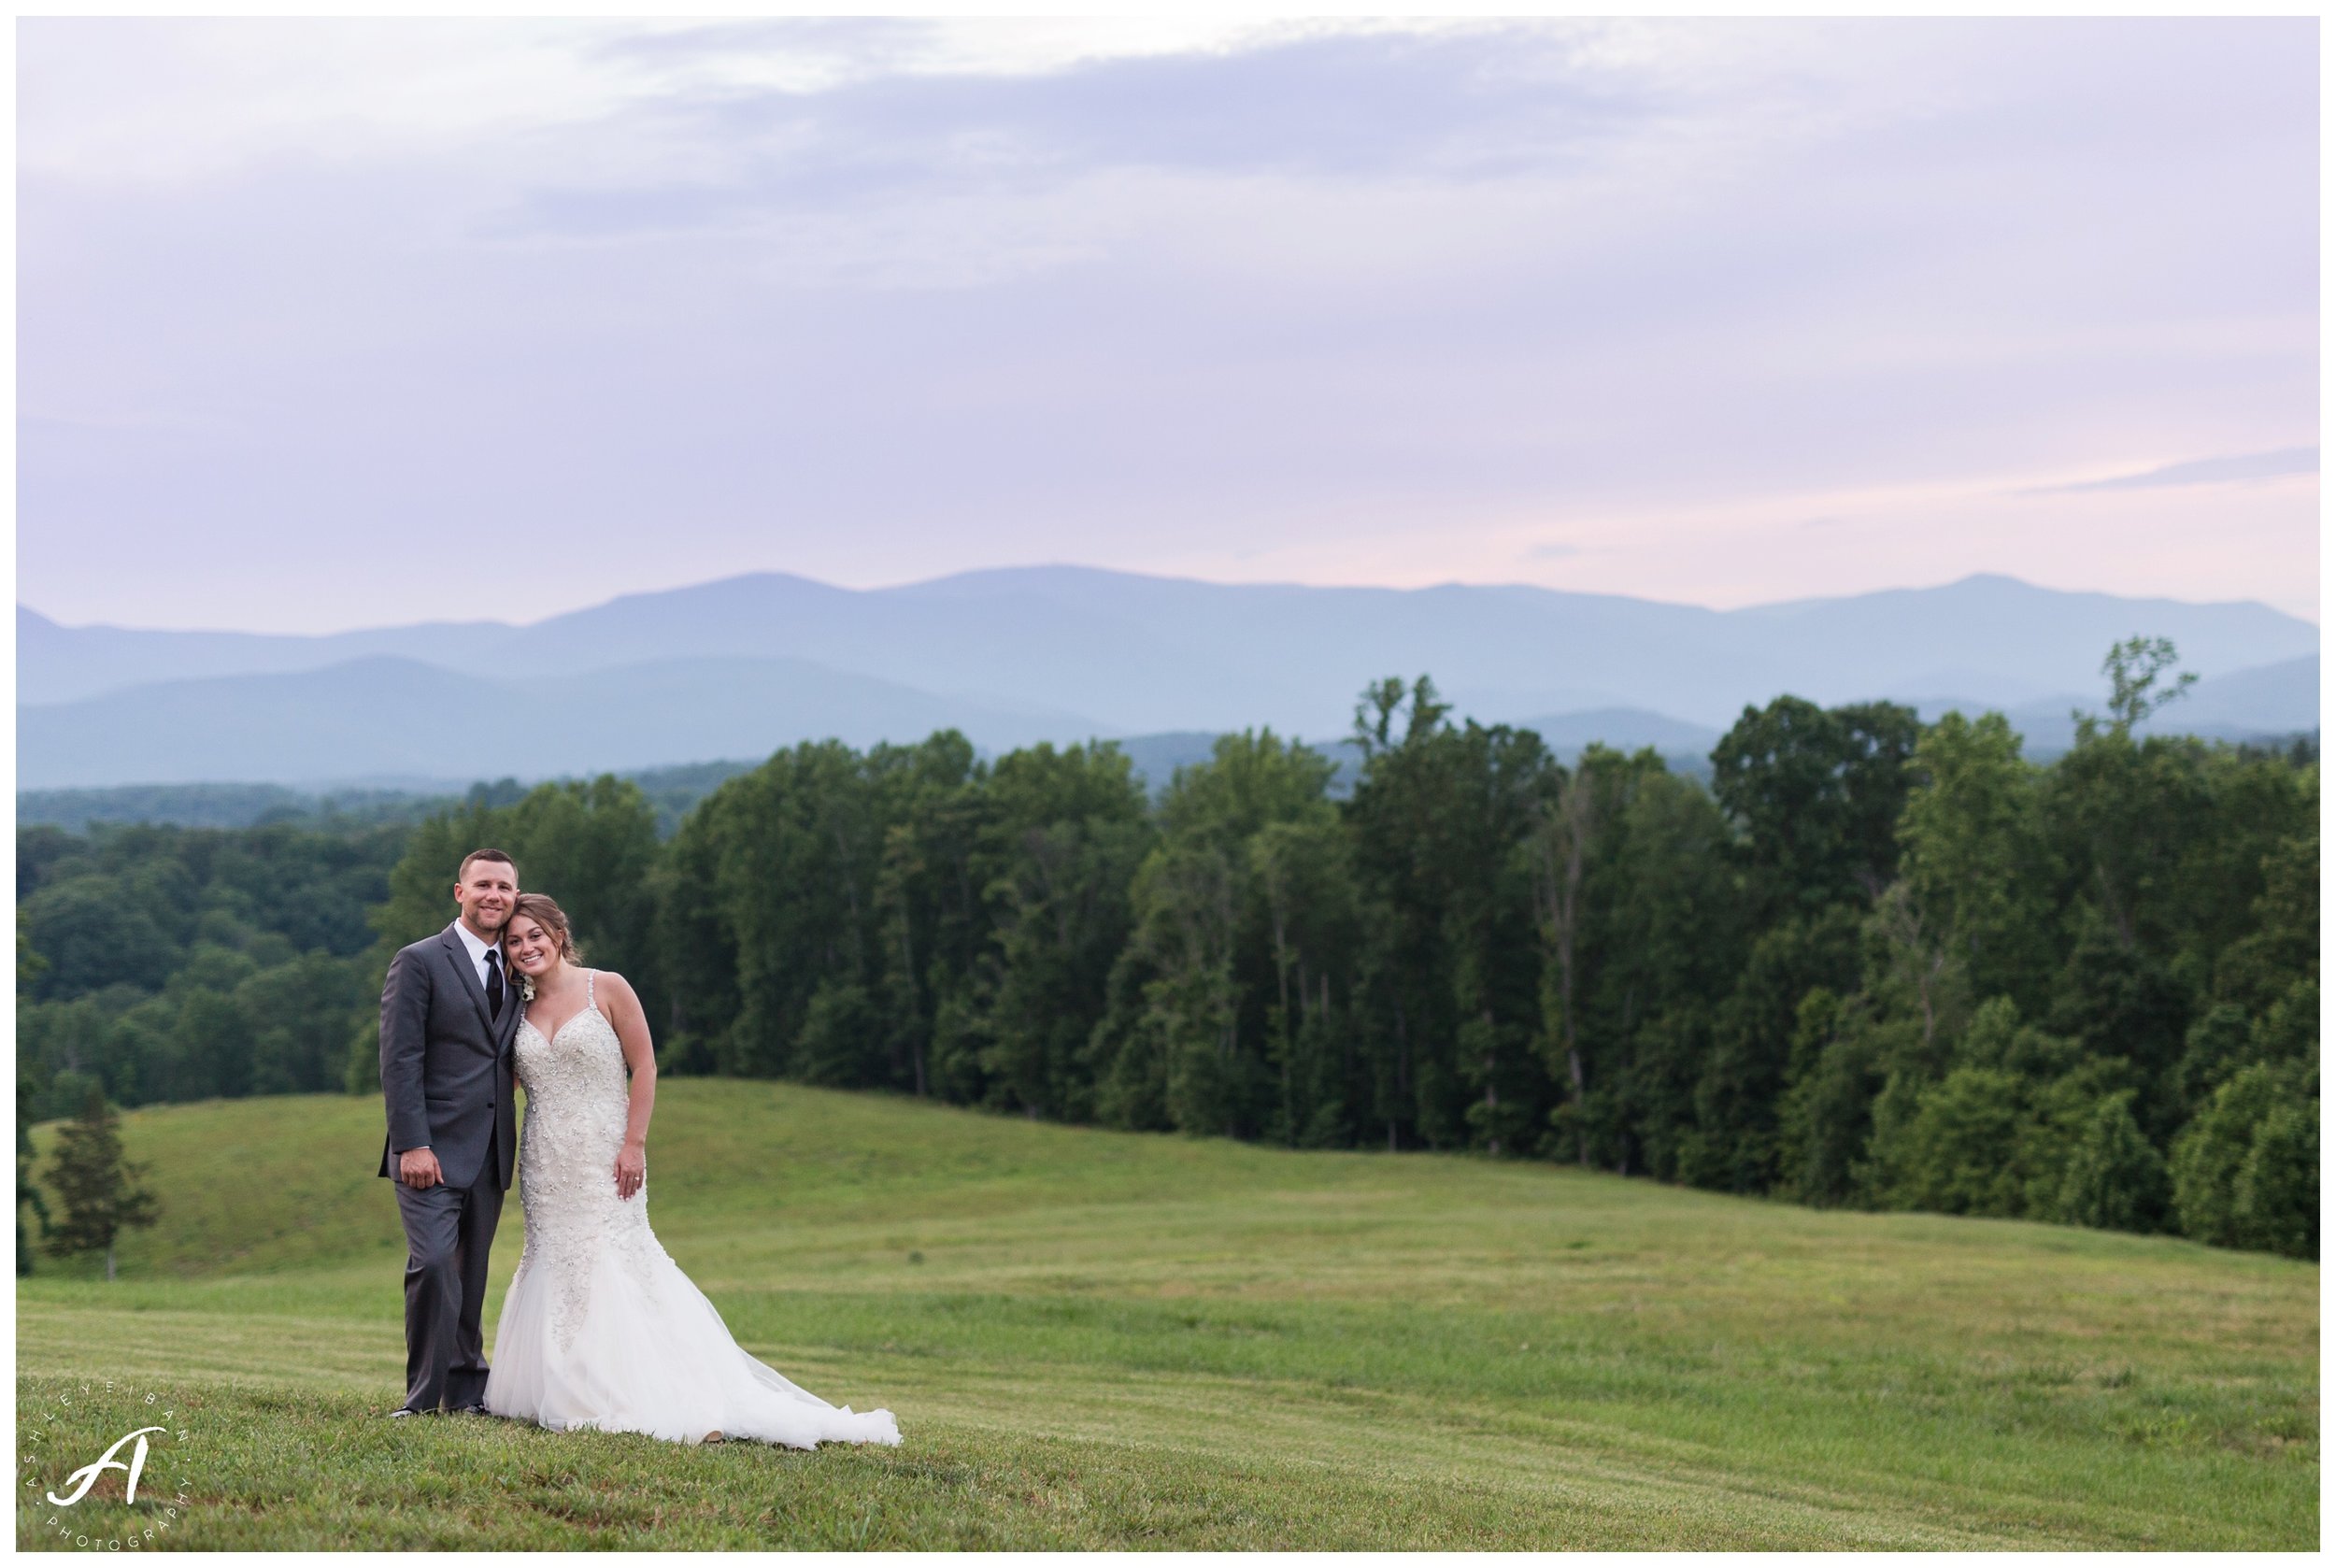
(600, 1328)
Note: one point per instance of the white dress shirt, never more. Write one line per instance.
(478, 948)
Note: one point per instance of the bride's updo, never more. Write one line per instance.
(543, 912)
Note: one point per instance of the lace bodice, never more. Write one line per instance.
(578, 1098)
(577, 1093)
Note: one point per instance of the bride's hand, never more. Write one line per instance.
(632, 1169)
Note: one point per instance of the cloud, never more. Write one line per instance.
(2205, 471)
(1341, 108)
(875, 301)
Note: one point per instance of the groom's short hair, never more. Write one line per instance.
(461, 873)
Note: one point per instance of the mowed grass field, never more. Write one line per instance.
(1104, 1340)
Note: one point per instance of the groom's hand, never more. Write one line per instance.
(418, 1168)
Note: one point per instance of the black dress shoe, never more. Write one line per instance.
(473, 1410)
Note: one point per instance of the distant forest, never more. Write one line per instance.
(672, 791)
(1872, 962)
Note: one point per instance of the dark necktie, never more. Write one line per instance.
(495, 983)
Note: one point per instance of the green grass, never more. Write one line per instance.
(1098, 1340)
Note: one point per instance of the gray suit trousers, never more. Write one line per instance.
(447, 1233)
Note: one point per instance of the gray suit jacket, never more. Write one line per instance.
(445, 1064)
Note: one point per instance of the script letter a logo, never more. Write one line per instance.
(86, 1475)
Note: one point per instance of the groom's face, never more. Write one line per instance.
(485, 893)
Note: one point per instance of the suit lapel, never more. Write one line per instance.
(459, 956)
(514, 1009)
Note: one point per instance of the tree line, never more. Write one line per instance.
(1874, 964)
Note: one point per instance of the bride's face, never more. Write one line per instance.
(531, 950)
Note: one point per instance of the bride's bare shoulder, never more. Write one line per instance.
(615, 988)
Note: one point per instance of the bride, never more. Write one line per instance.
(600, 1328)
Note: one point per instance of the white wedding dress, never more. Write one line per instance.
(600, 1328)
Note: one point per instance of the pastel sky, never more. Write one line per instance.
(327, 324)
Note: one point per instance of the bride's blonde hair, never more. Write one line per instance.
(543, 912)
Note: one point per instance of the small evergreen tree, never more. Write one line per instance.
(96, 1186)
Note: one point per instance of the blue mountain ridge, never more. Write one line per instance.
(738, 667)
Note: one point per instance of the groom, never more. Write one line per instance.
(449, 1014)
